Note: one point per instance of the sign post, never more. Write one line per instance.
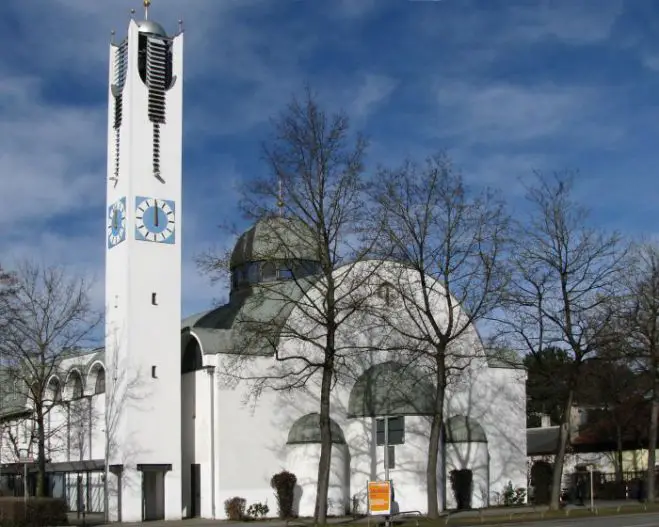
(379, 498)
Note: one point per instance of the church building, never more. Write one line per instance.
(186, 411)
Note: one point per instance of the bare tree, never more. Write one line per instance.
(49, 318)
(640, 327)
(452, 240)
(316, 180)
(565, 275)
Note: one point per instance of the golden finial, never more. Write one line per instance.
(147, 4)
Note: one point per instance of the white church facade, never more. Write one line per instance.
(167, 403)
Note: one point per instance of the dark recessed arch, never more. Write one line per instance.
(191, 359)
(390, 389)
(307, 430)
(463, 429)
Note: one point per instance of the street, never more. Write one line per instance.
(635, 520)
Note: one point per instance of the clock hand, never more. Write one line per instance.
(155, 213)
(115, 221)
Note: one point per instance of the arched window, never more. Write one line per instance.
(55, 391)
(76, 386)
(268, 271)
(99, 387)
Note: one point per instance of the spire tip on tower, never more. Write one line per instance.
(147, 4)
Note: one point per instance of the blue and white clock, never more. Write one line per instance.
(155, 220)
(116, 222)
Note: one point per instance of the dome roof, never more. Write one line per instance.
(307, 430)
(275, 238)
(149, 26)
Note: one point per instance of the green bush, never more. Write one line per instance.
(258, 510)
(33, 512)
(462, 483)
(513, 496)
(235, 508)
(284, 485)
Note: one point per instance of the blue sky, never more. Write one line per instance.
(504, 86)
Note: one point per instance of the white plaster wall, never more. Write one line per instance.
(196, 425)
(258, 433)
(496, 399)
(474, 457)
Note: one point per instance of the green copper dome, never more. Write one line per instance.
(275, 239)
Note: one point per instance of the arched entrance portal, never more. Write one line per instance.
(302, 455)
(467, 463)
(398, 399)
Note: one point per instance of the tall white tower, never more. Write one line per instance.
(143, 274)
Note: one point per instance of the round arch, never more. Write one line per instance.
(192, 357)
(307, 430)
(96, 378)
(390, 389)
(54, 389)
(74, 386)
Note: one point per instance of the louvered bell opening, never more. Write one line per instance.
(120, 67)
(156, 74)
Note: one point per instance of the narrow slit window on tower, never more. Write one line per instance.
(154, 299)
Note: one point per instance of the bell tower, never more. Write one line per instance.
(143, 273)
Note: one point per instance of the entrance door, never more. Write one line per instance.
(153, 495)
(195, 490)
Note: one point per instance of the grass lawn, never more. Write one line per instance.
(494, 518)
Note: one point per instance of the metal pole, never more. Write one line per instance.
(386, 449)
(386, 462)
(592, 499)
(25, 489)
(211, 376)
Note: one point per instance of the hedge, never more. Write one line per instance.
(33, 512)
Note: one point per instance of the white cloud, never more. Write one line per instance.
(507, 113)
(572, 22)
(51, 158)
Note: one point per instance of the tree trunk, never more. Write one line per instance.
(618, 453)
(41, 454)
(325, 445)
(434, 443)
(652, 445)
(564, 435)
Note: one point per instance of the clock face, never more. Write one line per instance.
(155, 220)
(116, 223)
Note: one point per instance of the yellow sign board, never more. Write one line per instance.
(379, 498)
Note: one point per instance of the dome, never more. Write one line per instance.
(149, 26)
(307, 430)
(275, 238)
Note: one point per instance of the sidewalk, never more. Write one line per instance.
(304, 522)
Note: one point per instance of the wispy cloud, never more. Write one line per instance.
(505, 86)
